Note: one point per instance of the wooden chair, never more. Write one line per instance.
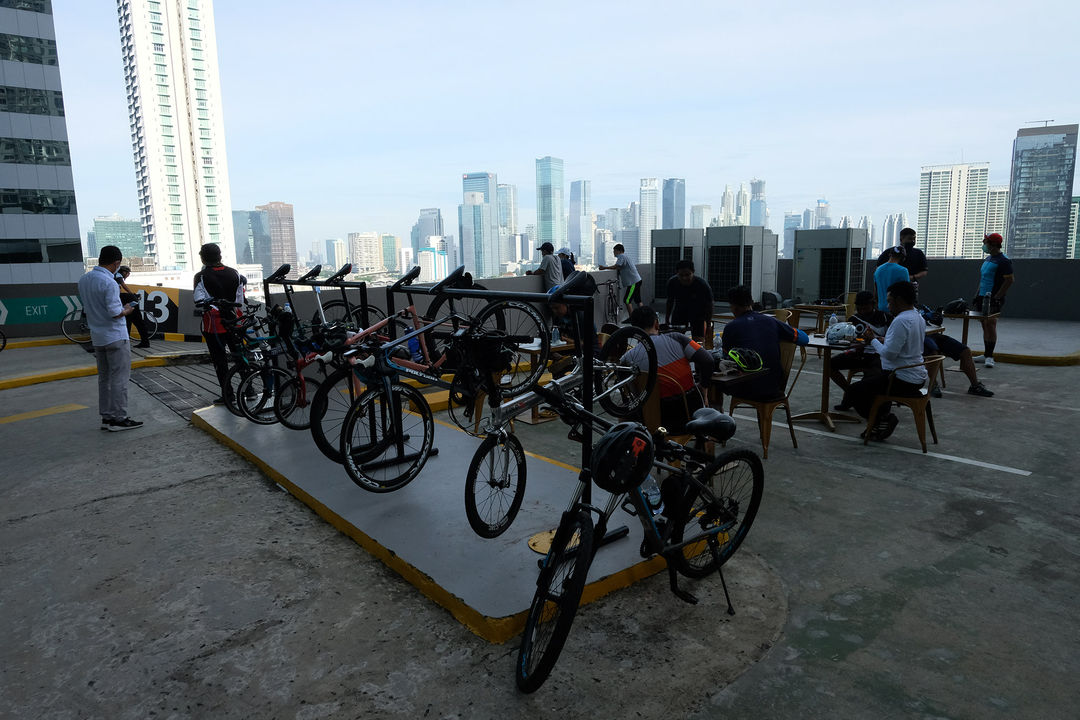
(650, 411)
(920, 405)
(783, 314)
(765, 408)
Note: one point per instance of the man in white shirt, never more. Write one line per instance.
(550, 267)
(100, 296)
(903, 345)
(629, 278)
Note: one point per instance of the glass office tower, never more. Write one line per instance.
(1040, 192)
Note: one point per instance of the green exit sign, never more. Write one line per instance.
(23, 311)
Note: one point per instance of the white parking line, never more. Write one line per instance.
(898, 448)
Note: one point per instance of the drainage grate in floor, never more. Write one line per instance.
(183, 389)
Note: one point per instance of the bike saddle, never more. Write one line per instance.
(452, 281)
(340, 274)
(279, 274)
(311, 274)
(712, 423)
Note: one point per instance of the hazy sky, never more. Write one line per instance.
(359, 112)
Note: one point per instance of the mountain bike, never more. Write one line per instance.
(710, 504)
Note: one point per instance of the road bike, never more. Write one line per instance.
(611, 301)
(710, 504)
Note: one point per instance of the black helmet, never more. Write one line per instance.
(622, 458)
(747, 359)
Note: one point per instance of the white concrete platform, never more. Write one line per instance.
(421, 532)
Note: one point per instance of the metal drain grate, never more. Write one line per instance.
(182, 392)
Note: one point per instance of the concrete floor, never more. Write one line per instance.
(154, 572)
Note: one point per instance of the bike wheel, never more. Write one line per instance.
(255, 396)
(352, 315)
(437, 338)
(558, 591)
(329, 406)
(527, 346)
(622, 386)
(3, 341)
(495, 485)
(75, 328)
(151, 324)
(233, 378)
(386, 438)
(292, 410)
(735, 481)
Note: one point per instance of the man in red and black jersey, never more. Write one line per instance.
(217, 282)
(679, 397)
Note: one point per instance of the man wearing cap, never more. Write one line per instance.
(629, 277)
(566, 260)
(890, 273)
(550, 267)
(995, 279)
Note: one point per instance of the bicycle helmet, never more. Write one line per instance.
(841, 332)
(748, 360)
(622, 458)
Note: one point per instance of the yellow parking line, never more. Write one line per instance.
(55, 410)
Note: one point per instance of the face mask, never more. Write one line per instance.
(986, 249)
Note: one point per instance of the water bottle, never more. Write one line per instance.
(986, 304)
(288, 308)
(717, 341)
(651, 491)
(833, 320)
(555, 337)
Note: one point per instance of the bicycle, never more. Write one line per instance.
(3, 341)
(611, 302)
(710, 502)
(75, 327)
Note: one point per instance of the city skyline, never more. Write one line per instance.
(392, 156)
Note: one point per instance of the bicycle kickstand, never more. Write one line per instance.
(714, 546)
(673, 578)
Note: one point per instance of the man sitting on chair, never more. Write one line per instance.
(763, 333)
(679, 397)
(903, 345)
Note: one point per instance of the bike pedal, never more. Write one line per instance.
(629, 508)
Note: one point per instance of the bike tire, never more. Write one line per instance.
(233, 378)
(518, 319)
(495, 485)
(255, 396)
(75, 328)
(628, 390)
(558, 591)
(151, 324)
(377, 427)
(336, 311)
(3, 341)
(290, 410)
(329, 406)
(736, 479)
(437, 339)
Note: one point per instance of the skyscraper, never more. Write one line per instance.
(251, 238)
(429, 223)
(390, 252)
(580, 229)
(727, 208)
(121, 232)
(506, 205)
(38, 218)
(331, 255)
(282, 233)
(792, 222)
(341, 253)
(1074, 230)
(865, 223)
(648, 199)
(808, 220)
(177, 129)
(1040, 190)
(759, 210)
(742, 206)
(821, 215)
(550, 209)
(674, 203)
(479, 235)
(700, 215)
(997, 210)
(365, 252)
(890, 231)
(952, 209)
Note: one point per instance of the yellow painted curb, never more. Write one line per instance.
(494, 630)
(73, 373)
(39, 342)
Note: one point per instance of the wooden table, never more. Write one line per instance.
(721, 384)
(826, 415)
(535, 418)
(967, 317)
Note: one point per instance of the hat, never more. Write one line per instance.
(563, 251)
(993, 239)
(547, 246)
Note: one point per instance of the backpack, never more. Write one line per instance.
(932, 317)
(958, 306)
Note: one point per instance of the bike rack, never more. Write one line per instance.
(311, 280)
(575, 302)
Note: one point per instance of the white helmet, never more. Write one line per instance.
(841, 332)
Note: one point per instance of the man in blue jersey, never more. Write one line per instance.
(891, 272)
(762, 333)
(995, 279)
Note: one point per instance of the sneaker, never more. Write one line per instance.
(989, 362)
(980, 390)
(841, 407)
(935, 391)
(143, 345)
(125, 424)
(218, 401)
(891, 421)
(105, 423)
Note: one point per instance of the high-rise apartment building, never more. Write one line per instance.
(429, 223)
(177, 128)
(648, 218)
(865, 223)
(580, 229)
(700, 215)
(282, 233)
(1073, 252)
(890, 232)
(674, 213)
(391, 247)
(550, 208)
(997, 210)
(123, 233)
(39, 224)
(365, 252)
(952, 209)
(506, 206)
(1040, 191)
(341, 253)
(726, 217)
(742, 206)
(251, 238)
(759, 209)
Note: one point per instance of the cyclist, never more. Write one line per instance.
(762, 333)
(680, 396)
(690, 302)
(217, 282)
(629, 277)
